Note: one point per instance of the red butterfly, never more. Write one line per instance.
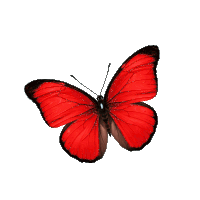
(120, 113)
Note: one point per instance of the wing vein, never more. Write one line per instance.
(133, 123)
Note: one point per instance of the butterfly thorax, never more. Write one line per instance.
(103, 112)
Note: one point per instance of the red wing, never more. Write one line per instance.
(135, 81)
(86, 139)
(60, 103)
(133, 123)
(133, 126)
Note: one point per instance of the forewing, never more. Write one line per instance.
(135, 81)
(59, 103)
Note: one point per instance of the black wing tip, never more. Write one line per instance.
(31, 86)
(153, 47)
(29, 89)
(152, 50)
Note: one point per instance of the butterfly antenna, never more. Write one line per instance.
(105, 78)
(82, 84)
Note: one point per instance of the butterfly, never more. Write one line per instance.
(120, 113)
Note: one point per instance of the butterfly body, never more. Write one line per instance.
(120, 113)
(103, 111)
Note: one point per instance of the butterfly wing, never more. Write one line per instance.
(83, 136)
(133, 123)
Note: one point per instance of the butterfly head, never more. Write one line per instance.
(99, 98)
(100, 102)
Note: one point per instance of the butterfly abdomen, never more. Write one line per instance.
(106, 121)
